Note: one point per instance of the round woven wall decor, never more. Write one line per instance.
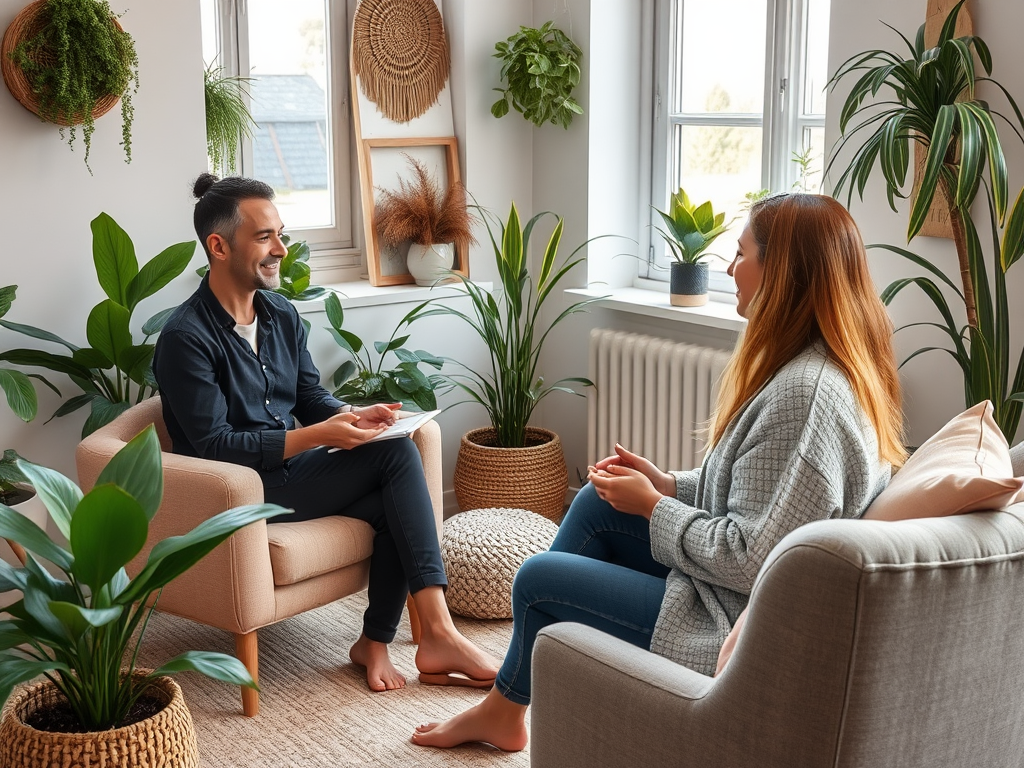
(400, 55)
(26, 25)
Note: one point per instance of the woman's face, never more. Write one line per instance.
(746, 270)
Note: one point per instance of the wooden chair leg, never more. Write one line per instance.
(20, 553)
(247, 651)
(414, 619)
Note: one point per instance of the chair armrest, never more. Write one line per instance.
(598, 700)
(428, 440)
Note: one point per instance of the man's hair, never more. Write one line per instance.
(815, 285)
(217, 202)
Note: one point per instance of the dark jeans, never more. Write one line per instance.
(383, 484)
(599, 572)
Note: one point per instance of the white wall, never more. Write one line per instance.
(933, 390)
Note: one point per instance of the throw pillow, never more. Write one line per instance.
(964, 467)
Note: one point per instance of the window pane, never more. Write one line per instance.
(290, 96)
(211, 32)
(816, 64)
(723, 56)
(810, 174)
(720, 164)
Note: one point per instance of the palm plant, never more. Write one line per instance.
(933, 104)
(83, 632)
(514, 332)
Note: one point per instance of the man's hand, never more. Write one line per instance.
(375, 416)
(626, 489)
(343, 430)
(662, 481)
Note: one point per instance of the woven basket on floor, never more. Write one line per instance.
(165, 740)
(533, 478)
(25, 25)
(482, 550)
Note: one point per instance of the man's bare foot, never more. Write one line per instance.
(381, 674)
(448, 651)
(495, 720)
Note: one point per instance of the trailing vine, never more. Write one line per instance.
(228, 119)
(78, 57)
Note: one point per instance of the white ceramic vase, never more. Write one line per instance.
(430, 263)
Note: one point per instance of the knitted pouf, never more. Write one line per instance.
(482, 549)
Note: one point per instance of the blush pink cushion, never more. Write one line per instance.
(964, 467)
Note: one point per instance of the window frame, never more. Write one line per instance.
(783, 122)
(334, 247)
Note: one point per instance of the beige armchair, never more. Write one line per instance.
(866, 644)
(264, 573)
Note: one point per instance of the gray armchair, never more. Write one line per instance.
(866, 644)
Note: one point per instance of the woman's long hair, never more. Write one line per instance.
(815, 285)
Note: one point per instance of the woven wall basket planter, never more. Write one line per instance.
(25, 25)
(165, 740)
(533, 478)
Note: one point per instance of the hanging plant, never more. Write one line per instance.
(72, 61)
(228, 120)
(541, 67)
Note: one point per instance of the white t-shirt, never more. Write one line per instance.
(248, 332)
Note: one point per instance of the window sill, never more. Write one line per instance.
(359, 293)
(653, 303)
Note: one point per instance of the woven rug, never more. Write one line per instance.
(315, 708)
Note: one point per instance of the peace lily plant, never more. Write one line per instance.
(83, 631)
(930, 99)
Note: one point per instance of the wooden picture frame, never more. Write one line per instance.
(386, 155)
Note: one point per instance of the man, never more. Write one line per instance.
(235, 375)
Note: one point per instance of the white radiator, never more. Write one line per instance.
(652, 395)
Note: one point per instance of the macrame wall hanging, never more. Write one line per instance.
(401, 55)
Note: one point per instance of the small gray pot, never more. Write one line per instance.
(689, 284)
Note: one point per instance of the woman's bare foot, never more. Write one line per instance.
(446, 650)
(495, 720)
(381, 674)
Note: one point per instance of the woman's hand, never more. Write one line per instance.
(626, 489)
(345, 430)
(663, 482)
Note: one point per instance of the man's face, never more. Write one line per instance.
(254, 256)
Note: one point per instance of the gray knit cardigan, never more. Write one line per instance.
(800, 450)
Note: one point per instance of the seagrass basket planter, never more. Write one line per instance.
(165, 740)
(533, 478)
(27, 24)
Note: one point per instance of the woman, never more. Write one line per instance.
(807, 426)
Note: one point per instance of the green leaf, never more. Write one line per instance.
(72, 405)
(1013, 235)
(933, 166)
(11, 635)
(15, 670)
(335, 313)
(23, 531)
(137, 360)
(101, 413)
(114, 256)
(137, 470)
(7, 296)
(383, 347)
(108, 529)
(59, 495)
(107, 330)
(345, 372)
(21, 395)
(217, 666)
(92, 358)
(500, 107)
(155, 324)
(11, 577)
(51, 362)
(158, 272)
(78, 620)
(37, 333)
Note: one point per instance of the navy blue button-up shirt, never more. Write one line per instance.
(221, 400)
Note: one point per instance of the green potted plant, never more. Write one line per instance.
(360, 382)
(930, 100)
(438, 224)
(113, 372)
(541, 68)
(82, 631)
(69, 61)
(511, 464)
(228, 120)
(689, 231)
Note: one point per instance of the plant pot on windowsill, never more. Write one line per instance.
(430, 264)
(533, 477)
(689, 284)
(166, 738)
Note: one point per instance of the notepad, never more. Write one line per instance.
(401, 428)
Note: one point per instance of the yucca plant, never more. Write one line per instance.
(83, 632)
(690, 229)
(513, 331)
(932, 101)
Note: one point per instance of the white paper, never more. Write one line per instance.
(401, 428)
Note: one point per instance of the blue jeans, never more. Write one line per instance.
(599, 572)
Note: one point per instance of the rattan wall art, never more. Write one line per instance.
(400, 54)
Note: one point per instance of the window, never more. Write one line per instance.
(296, 56)
(739, 108)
